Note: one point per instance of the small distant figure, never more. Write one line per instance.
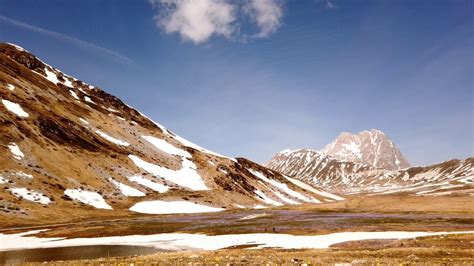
(274, 230)
(265, 229)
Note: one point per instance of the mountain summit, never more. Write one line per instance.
(370, 147)
(369, 162)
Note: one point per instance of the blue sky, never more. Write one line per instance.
(252, 77)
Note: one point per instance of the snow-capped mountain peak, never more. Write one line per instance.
(371, 147)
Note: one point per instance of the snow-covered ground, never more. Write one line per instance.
(88, 197)
(112, 139)
(163, 145)
(74, 95)
(10, 87)
(3, 180)
(127, 190)
(177, 241)
(170, 207)
(312, 189)
(148, 183)
(30, 195)
(281, 186)
(88, 99)
(266, 199)
(15, 108)
(15, 150)
(186, 177)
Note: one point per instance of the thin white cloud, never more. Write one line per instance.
(78, 42)
(196, 20)
(199, 20)
(266, 14)
(330, 5)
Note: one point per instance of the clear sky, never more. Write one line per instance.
(252, 77)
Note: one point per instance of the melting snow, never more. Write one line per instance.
(161, 144)
(281, 186)
(23, 175)
(73, 94)
(88, 99)
(187, 176)
(84, 121)
(179, 241)
(310, 188)
(169, 207)
(30, 195)
(188, 143)
(15, 108)
(266, 199)
(127, 190)
(67, 83)
(149, 184)
(354, 148)
(10, 87)
(88, 197)
(3, 180)
(254, 216)
(17, 47)
(112, 139)
(51, 76)
(15, 150)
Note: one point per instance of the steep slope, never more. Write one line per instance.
(372, 148)
(69, 150)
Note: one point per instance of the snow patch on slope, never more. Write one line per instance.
(112, 139)
(186, 177)
(88, 197)
(127, 190)
(16, 152)
(149, 184)
(312, 189)
(15, 108)
(30, 195)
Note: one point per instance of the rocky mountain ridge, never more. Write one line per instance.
(370, 163)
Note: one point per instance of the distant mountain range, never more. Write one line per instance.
(369, 162)
(70, 150)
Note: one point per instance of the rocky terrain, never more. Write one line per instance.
(370, 147)
(370, 164)
(71, 151)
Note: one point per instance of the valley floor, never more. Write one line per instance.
(367, 214)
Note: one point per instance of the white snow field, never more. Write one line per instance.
(312, 189)
(88, 197)
(74, 95)
(112, 139)
(163, 145)
(281, 186)
(177, 241)
(148, 183)
(266, 199)
(127, 190)
(30, 195)
(186, 177)
(15, 150)
(15, 108)
(170, 207)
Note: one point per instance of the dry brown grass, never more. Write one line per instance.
(449, 250)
